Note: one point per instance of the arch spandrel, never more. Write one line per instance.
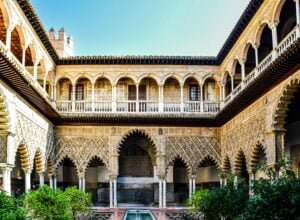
(192, 149)
(82, 149)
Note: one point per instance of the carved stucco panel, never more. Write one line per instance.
(192, 150)
(81, 150)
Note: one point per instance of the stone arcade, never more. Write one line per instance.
(147, 129)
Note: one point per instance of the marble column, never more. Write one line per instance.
(160, 193)
(115, 193)
(27, 180)
(111, 193)
(164, 195)
(42, 179)
(7, 179)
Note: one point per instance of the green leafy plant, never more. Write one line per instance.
(9, 209)
(197, 199)
(79, 201)
(278, 196)
(227, 202)
(46, 204)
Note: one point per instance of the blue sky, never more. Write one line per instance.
(143, 27)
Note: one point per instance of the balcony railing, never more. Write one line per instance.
(129, 106)
(265, 63)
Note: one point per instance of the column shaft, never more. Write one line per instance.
(298, 11)
(161, 99)
(42, 179)
(114, 98)
(160, 193)
(111, 193)
(190, 187)
(115, 193)
(181, 99)
(164, 196)
(51, 182)
(7, 180)
(27, 180)
(8, 37)
(55, 183)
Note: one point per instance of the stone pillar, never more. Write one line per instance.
(55, 182)
(297, 11)
(115, 193)
(201, 98)
(222, 93)
(137, 98)
(7, 179)
(235, 182)
(160, 193)
(83, 183)
(164, 193)
(256, 55)
(181, 99)
(114, 98)
(194, 184)
(73, 97)
(251, 179)
(51, 181)
(27, 180)
(274, 36)
(80, 182)
(93, 97)
(8, 36)
(42, 179)
(24, 56)
(111, 193)
(243, 70)
(161, 98)
(232, 83)
(190, 187)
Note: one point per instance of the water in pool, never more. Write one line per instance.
(139, 215)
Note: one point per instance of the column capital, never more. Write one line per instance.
(113, 177)
(27, 170)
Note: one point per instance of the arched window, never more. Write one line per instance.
(287, 19)
(265, 43)
(250, 60)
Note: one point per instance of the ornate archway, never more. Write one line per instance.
(137, 164)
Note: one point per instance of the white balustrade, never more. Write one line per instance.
(227, 99)
(64, 106)
(211, 107)
(148, 106)
(287, 41)
(192, 106)
(237, 90)
(126, 106)
(103, 106)
(250, 77)
(265, 63)
(172, 106)
(83, 106)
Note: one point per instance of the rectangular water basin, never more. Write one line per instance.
(139, 215)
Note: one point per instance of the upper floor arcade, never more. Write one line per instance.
(166, 89)
(147, 84)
